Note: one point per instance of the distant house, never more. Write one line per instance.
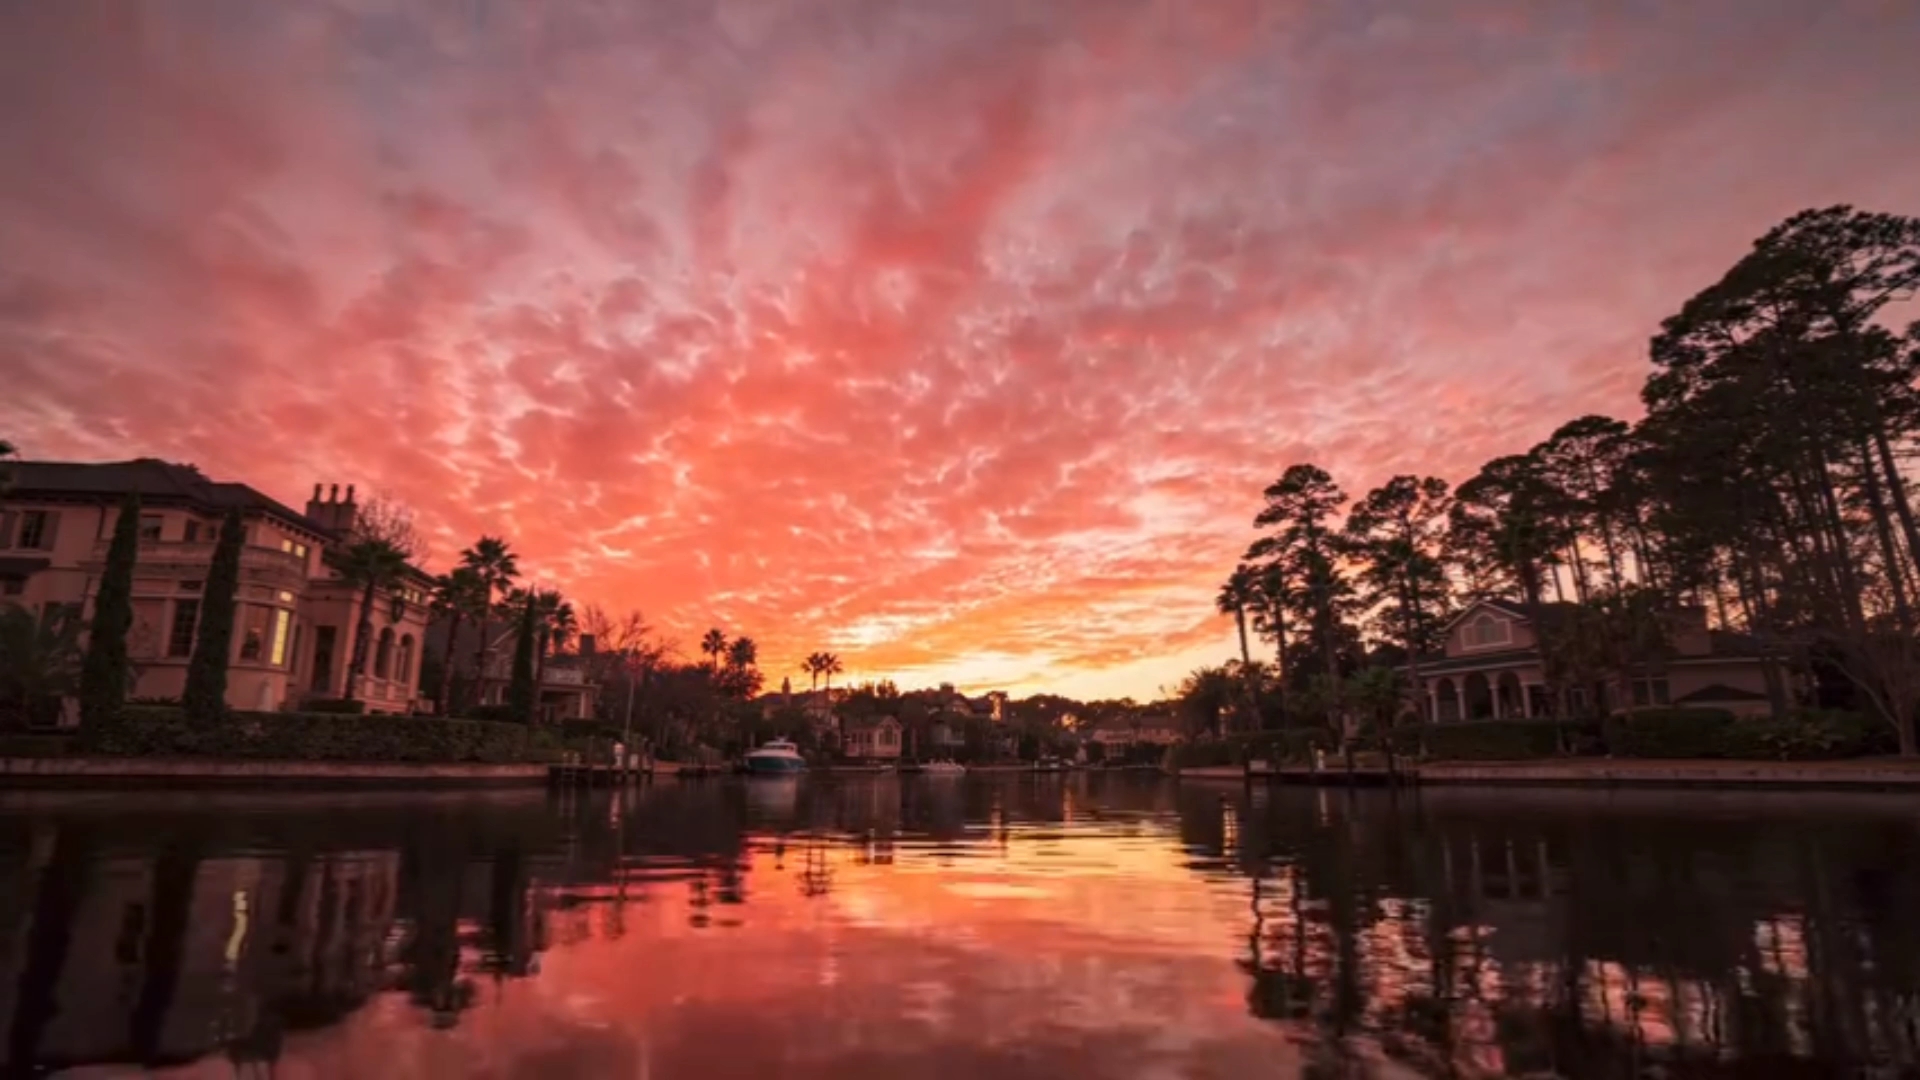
(877, 739)
(815, 705)
(1120, 732)
(569, 689)
(1492, 668)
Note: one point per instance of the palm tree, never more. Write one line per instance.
(830, 666)
(742, 653)
(550, 613)
(1241, 592)
(714, 645)
(493, 562)
(39, 659)
(456, 596)
(373, 566)
(813, 665)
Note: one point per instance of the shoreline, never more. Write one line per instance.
(1865, 774)
(112, 772)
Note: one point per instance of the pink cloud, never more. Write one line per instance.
(959, 339)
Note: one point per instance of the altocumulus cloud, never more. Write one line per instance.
(957, 337)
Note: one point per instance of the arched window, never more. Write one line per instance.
(383, 654)
(1488, 630)
(405, 672)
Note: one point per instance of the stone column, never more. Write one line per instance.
(1493, 691)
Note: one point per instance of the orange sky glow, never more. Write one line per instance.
(956, 338)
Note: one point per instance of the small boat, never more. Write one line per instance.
(776, 757)
(943, 768)
(1049, 764)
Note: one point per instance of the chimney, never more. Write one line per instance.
(332, 513)
(587, 645)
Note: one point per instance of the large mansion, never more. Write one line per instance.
(293, 632)
(1492, 668)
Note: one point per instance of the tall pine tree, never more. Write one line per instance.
(107, 671)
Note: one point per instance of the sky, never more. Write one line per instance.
(958, 339)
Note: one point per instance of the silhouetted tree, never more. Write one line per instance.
(206, 690)
(107, 672)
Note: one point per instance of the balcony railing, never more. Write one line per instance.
(256, 563)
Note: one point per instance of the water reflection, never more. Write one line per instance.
(1086, 926)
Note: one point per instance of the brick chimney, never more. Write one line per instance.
(333, 512)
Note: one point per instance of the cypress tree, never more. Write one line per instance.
(206, 694)
(521, 693)
(107, 671)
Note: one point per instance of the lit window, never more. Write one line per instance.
(281, 617)
(286, 597)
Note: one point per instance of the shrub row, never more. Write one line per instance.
(145, 731)
(1674, 733)
(33, 745)
(1496, 740)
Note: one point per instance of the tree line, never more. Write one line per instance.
(1766, 483)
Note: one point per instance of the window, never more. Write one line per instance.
(383, 654)
(404, 671)
(38, 529)
(192, 532)
(253, 634)
(186, 619)
(291, 548)
(1487, 630)
(286, 597)
(281, 620)
(1650, 691)
(151, 528)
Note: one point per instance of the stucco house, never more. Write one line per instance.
(1492, 668)
(1120, 732)
(293, 632)
(877, 739)
(568, 689)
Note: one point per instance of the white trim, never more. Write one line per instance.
(1501, 620)
(1512, 611)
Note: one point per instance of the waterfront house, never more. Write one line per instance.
(1492, 668)
(876, 739)
(1117, 733)
(294, 627)
(569, 687)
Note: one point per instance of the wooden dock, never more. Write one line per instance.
(580, 774)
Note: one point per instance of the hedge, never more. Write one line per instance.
(138, 731)
(34, 745)
(1809, 735)
(1497, 740)
(1669, 733)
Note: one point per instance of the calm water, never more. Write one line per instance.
(1092, 926)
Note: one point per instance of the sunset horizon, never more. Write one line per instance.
(960, 343)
